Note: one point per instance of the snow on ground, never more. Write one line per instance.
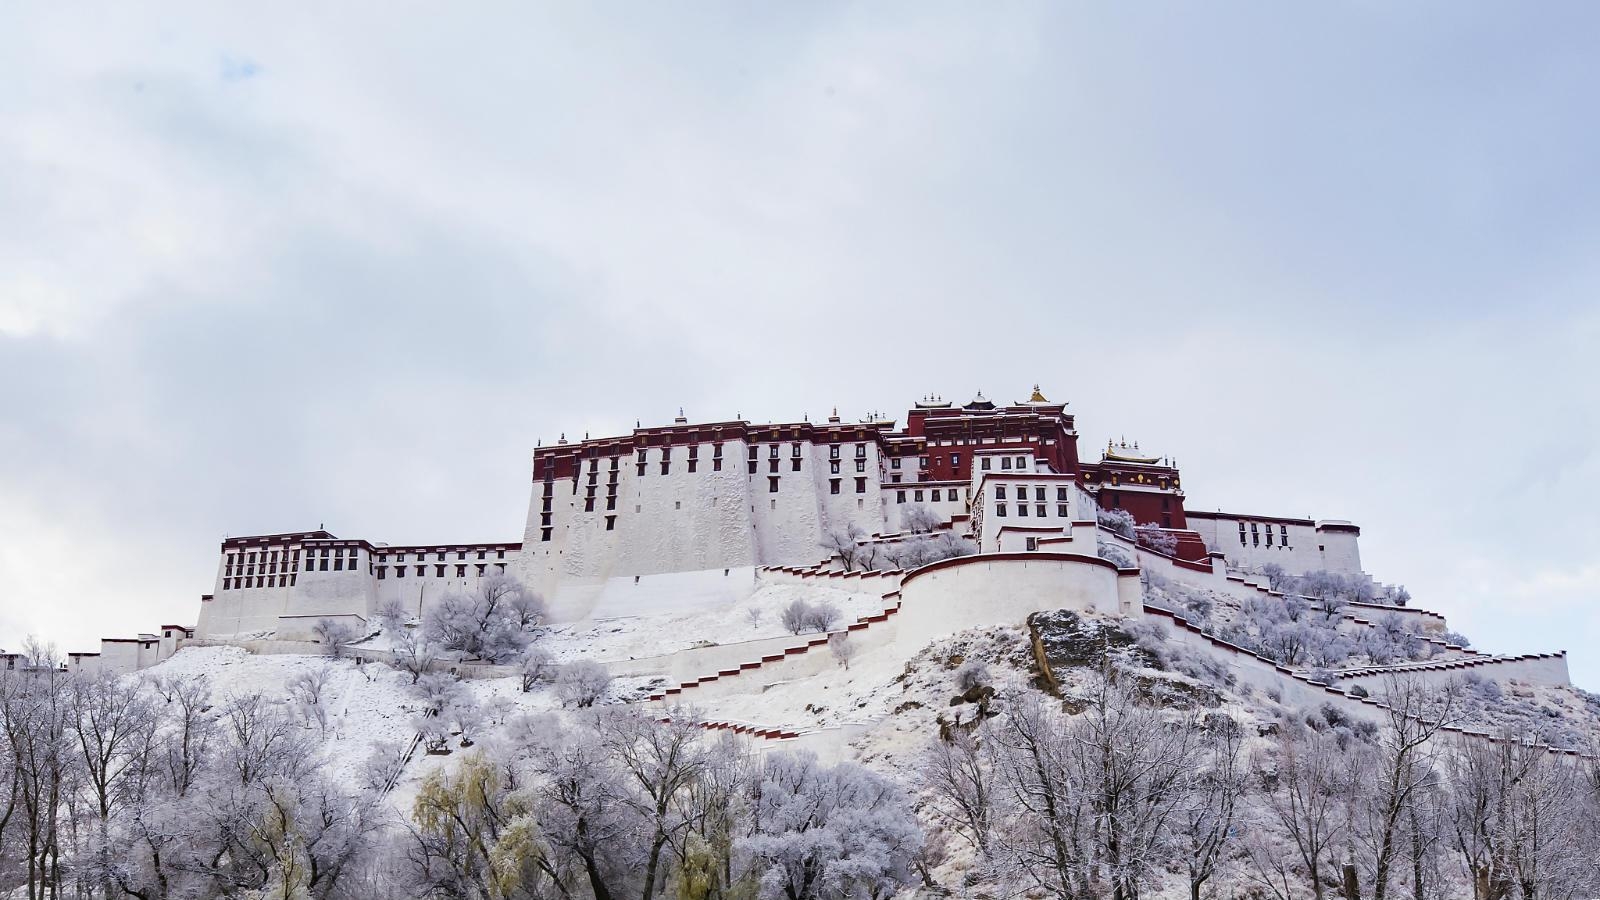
(633, 637)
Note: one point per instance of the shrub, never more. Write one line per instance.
(971, 674)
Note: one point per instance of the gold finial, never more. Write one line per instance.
(1037, 397)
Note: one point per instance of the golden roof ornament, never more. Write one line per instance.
(1037, 397)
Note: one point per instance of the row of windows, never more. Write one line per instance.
(1255, 534)
(1040, 509)
(234, 584)
(917, 496)
(1022, 493)
(438, 570)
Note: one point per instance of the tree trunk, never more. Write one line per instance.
(1352, 882)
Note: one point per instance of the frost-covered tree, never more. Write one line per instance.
(919, 518)
(535, 665)
(334, 635)
(1117, 521)
(819, 832)
(842, 648)
(582, 682)
(1154, 538)
(1205, 824)
(822, 616)
(921, 550)
(492, 623)
(306, 689)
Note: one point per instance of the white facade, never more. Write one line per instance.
(1298, 545)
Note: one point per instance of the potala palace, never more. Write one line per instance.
(732, 495)
(676, 515)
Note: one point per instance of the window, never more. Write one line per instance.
(1255, 539)
(1022, 508)
(440, 572)
(922, 462)
(544, 534)
(955, 460)
(399, 571)
(383, 572)
(716, 451)
(588, 504)
(833, 485)
(1038, 494)
(894, 463)
(692, 462)
(754, 451)
(694, 451)
(772, 484)
(774, 451)
(899, 496)
(950, 494)
(1061, 510)
(461, 571)
(752, 467)
(999, 492)
(611, 523)
(895, 478)
(611, 503)
(984, 464)
(1022, 462)
(794, 450)
(1039, 509)
(1000, 510)
(772, 464)
(480, 570)
(1241, 534)
(861, 465)
(917, 496)
(794, 464)
(861, 451)
(498, 554)
(1033, 543)
(716, 464)
(1005, 462)
(1283, 534)
(1061, 495)
(833, 467)
(861, 485)
(1269, 535)
(833, 452)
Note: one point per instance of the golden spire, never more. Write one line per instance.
(1037, 397)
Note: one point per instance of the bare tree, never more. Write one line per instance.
(1205, 822)
(957, 777)
(841, 543)
(306, 693)
(1303, 803)
(1405, 762)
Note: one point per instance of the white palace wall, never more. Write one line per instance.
(1327, 545)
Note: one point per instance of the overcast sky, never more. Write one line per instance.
(264, 270)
